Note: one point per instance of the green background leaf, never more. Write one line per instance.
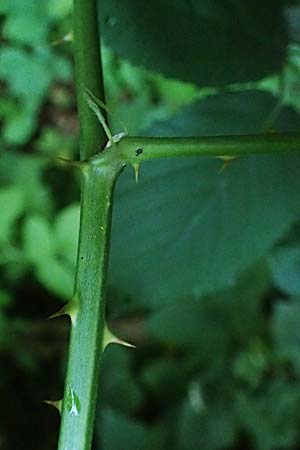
(11, 207)
(285, 267)
(186, 229)
(66, 231)
(285, 329)
(207, 43)
(38, 239)
(120, 432)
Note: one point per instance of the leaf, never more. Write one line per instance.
(209, 327)
(37, 239)
(211, 429)
(186, 229)
(11, 207)
(207, 43)
(18, 6)
(271, 416)
(25, 29)
(3, 6)
(28, 75)
(60, 8)
(121, 389)
(56, 277)
(66, 229)
(121, 432)
(19, 125)
(285, 267)
(26, 172)
(197, 325)
(166, 378)
(285, 329)
(52, 250)
(4, 300)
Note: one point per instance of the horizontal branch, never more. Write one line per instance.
(138, 149)
(135, 150)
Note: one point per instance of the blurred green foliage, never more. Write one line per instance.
(27, 34)
(205, 264)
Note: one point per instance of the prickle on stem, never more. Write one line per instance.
(136, 168)
(110, 338)
(55, 403)
(226, 161)
(70, 309)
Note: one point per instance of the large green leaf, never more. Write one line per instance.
(56, 276)
(186, 229)
(121, 389)
(120, 432)
(285, 330)
(215, 322)
(271, 416)
(205, 430)
(285, 267)
(208, 43)
(26, 171)
(21, 81)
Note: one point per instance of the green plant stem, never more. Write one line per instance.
(87, 310)
(87, 306)
(88, 75)
(135, 150)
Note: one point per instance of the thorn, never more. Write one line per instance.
(110, 338)
(70, 309)
(71, 163)
(55, 403)
(136, 168)
(226, 161)
(69, 37)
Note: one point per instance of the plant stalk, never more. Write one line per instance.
(87, 310)
(89, 75)
(87, 307)
(138, 149)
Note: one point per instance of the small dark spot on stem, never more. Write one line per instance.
(81, 257)
(138, 152)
